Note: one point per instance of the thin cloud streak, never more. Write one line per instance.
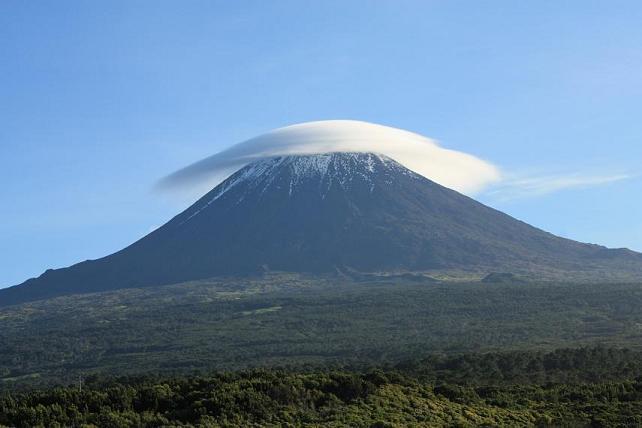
(526, 187)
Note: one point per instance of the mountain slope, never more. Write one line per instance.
(329, 212)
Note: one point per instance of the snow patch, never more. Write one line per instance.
(328, 169)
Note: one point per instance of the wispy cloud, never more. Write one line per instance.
(532, 186)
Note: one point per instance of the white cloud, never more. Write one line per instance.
(521, 187)
(456, 170)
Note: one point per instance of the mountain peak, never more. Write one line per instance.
(336, 164)
(292, 172)
(314, 165)
(322, 213)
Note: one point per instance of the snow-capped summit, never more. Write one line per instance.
(293, 171)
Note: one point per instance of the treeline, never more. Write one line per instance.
(574, 387)
(577, 365)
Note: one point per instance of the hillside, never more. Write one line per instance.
(293, 320)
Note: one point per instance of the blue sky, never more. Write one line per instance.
(98, 100)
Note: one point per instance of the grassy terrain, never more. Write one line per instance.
(288, 320)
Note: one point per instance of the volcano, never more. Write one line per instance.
(329, 213)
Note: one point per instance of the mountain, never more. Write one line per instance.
(329, 213)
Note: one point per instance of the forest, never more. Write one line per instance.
(595, 386)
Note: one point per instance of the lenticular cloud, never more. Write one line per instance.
(456, 170)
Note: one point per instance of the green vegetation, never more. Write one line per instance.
(574, 387)
(370, 352)
(302, 322)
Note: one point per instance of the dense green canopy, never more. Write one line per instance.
(581, 387)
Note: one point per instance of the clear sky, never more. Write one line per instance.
(98, 100)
